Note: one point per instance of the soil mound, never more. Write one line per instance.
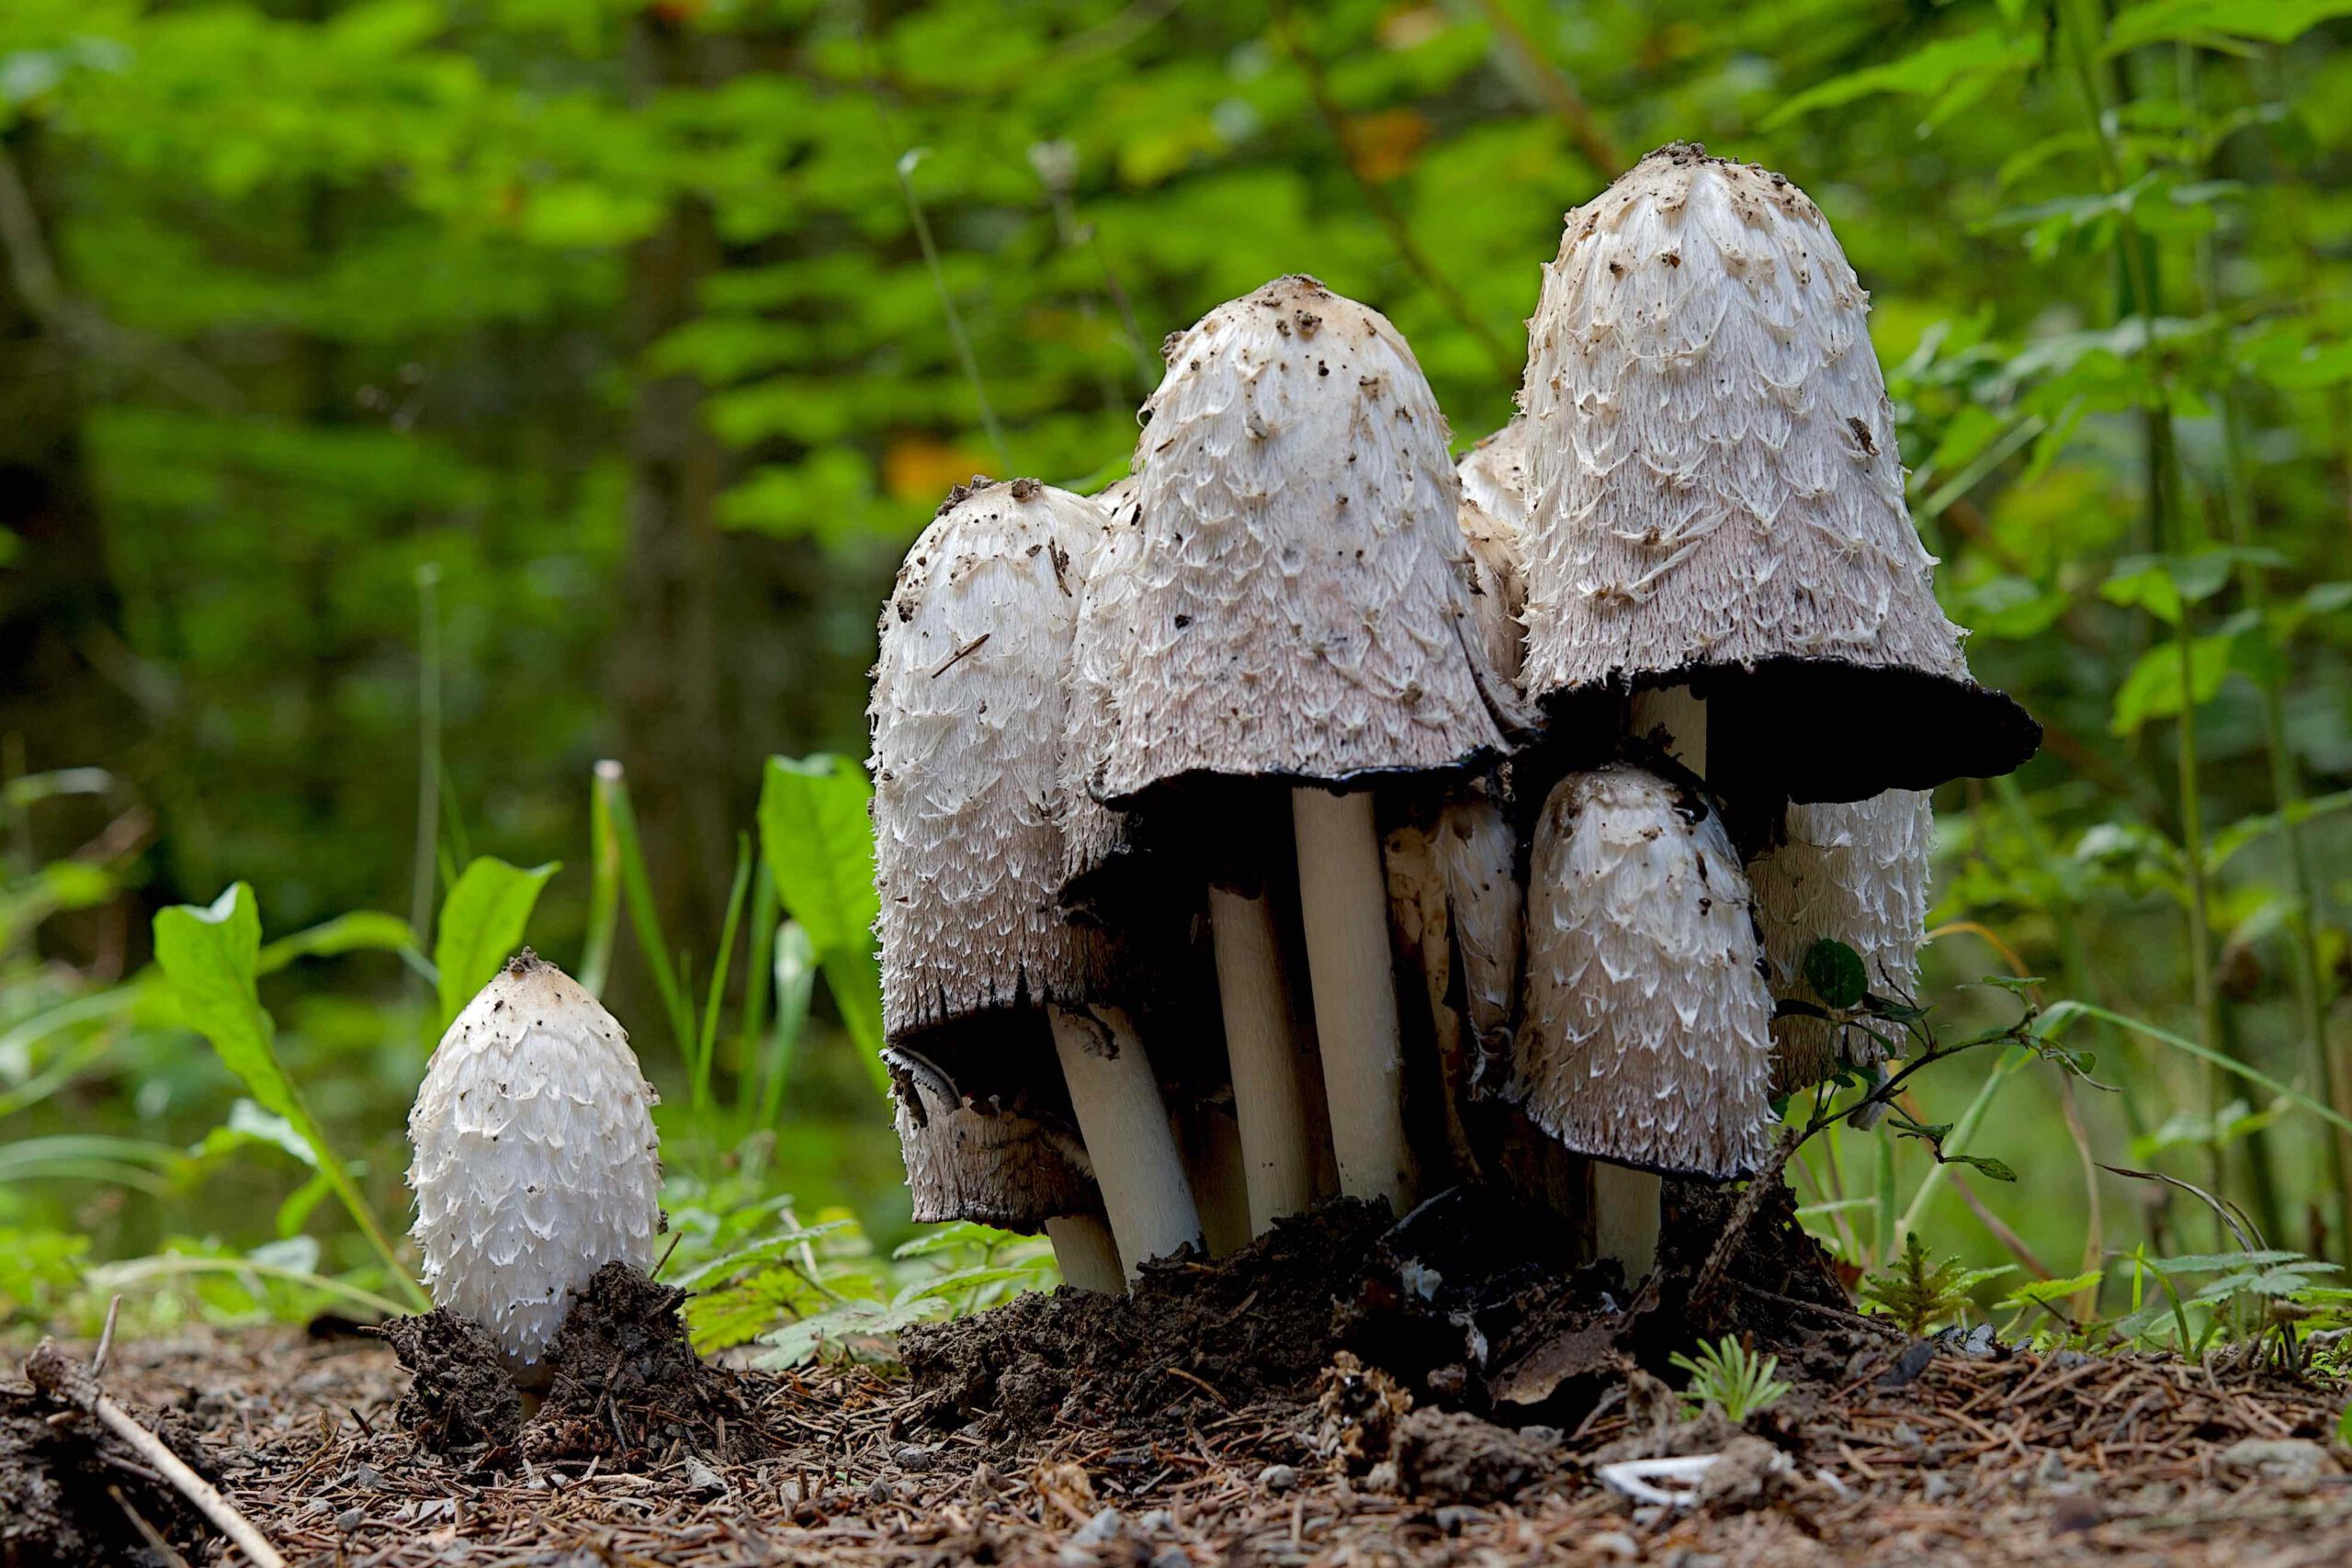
(625, 1385)
(1473, 1301)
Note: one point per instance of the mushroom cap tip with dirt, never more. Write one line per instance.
(1297, 604)
(536, 1160)
(1715, 488)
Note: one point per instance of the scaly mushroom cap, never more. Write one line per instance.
(1098, 843)
(1716, 494)
(1859, 873)
(982, 1159)
(969, 711)
(1299, 605)
(1494, 518)
(1645, 1037)
(536, 1162)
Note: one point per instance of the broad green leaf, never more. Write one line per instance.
(817, 834)
(2264, 21)
(209, 956)
(2045, 1290)
(482, 925)
(2153, 689)
(1934, 69)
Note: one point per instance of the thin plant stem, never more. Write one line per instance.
(2235, 498)
(706, 1044)
(759, 979)
(605, 879)
(637, 895)
(428, 752)
(964, 355)
(1383, 204)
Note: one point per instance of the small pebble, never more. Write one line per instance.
(368, 1475)
(1939, 1486)
(1157, 1520)
(1101, 1531)
(1278, 1477)
(880, 1492)
(350, 1520)
(1454, 1518)
(914, 1457)
(1172, 1557)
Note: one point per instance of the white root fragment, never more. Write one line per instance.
(1344, 896)
(48, 1369)
(1277, 1146)
(1085, 1253)
(1125, 1126)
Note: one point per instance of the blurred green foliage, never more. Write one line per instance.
(404, 404)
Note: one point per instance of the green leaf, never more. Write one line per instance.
(482, 922)
(209, 956)
(1836, 974)
(2265, 21)
(362, 930)
(2047, 1290)
(817, 835)
(1988, 53)
(2153, 689)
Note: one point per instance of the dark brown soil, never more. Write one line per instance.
(1192, 1336)
(69, 1489)
(626, 1386)
(459, 1395)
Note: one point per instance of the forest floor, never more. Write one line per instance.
(1041, 1433)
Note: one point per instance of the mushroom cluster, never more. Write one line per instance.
(1496, 807)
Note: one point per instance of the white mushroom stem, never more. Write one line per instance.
(1277, 1148)
(1344, 895)
(1127, 1134)
(1085, 1253)
(1211, 1140)
(1625, 1201)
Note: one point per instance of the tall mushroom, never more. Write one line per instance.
(1717, 518)
(969, 711)
(536, 1161)
(1856, 874)
(1644, 1041)
(996, 1165)
(1277, 1101)
(1298, 633)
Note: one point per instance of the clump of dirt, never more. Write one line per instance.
(1472, 1302)
(624, 1385)
(68, 1492)
(627, 1381)
(1448, 1456)
(1254, 1324)
(459, 1395)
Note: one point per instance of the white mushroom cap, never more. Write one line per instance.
(1300, 605)
(1715, 486)
(1456, 901)
(969, 711)
(1646, 1035)
(536, 1161)
(984, 1160)
(1859, 873)
(1097, 841)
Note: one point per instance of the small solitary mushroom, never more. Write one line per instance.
(535, 1160)
(1296, 632)
(969, 707)
(1856, 874)
(1718, 522)
(1645, 1040)
(994, 1164)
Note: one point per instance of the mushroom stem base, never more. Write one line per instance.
(1625, 1218)
(1344, 896)
(1085, 1254)
(1128, 1133)
(1277, 1148)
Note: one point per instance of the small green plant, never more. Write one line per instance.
(1918, 1294)
(1735, 1379)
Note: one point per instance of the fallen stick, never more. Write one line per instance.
(48, 1369)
